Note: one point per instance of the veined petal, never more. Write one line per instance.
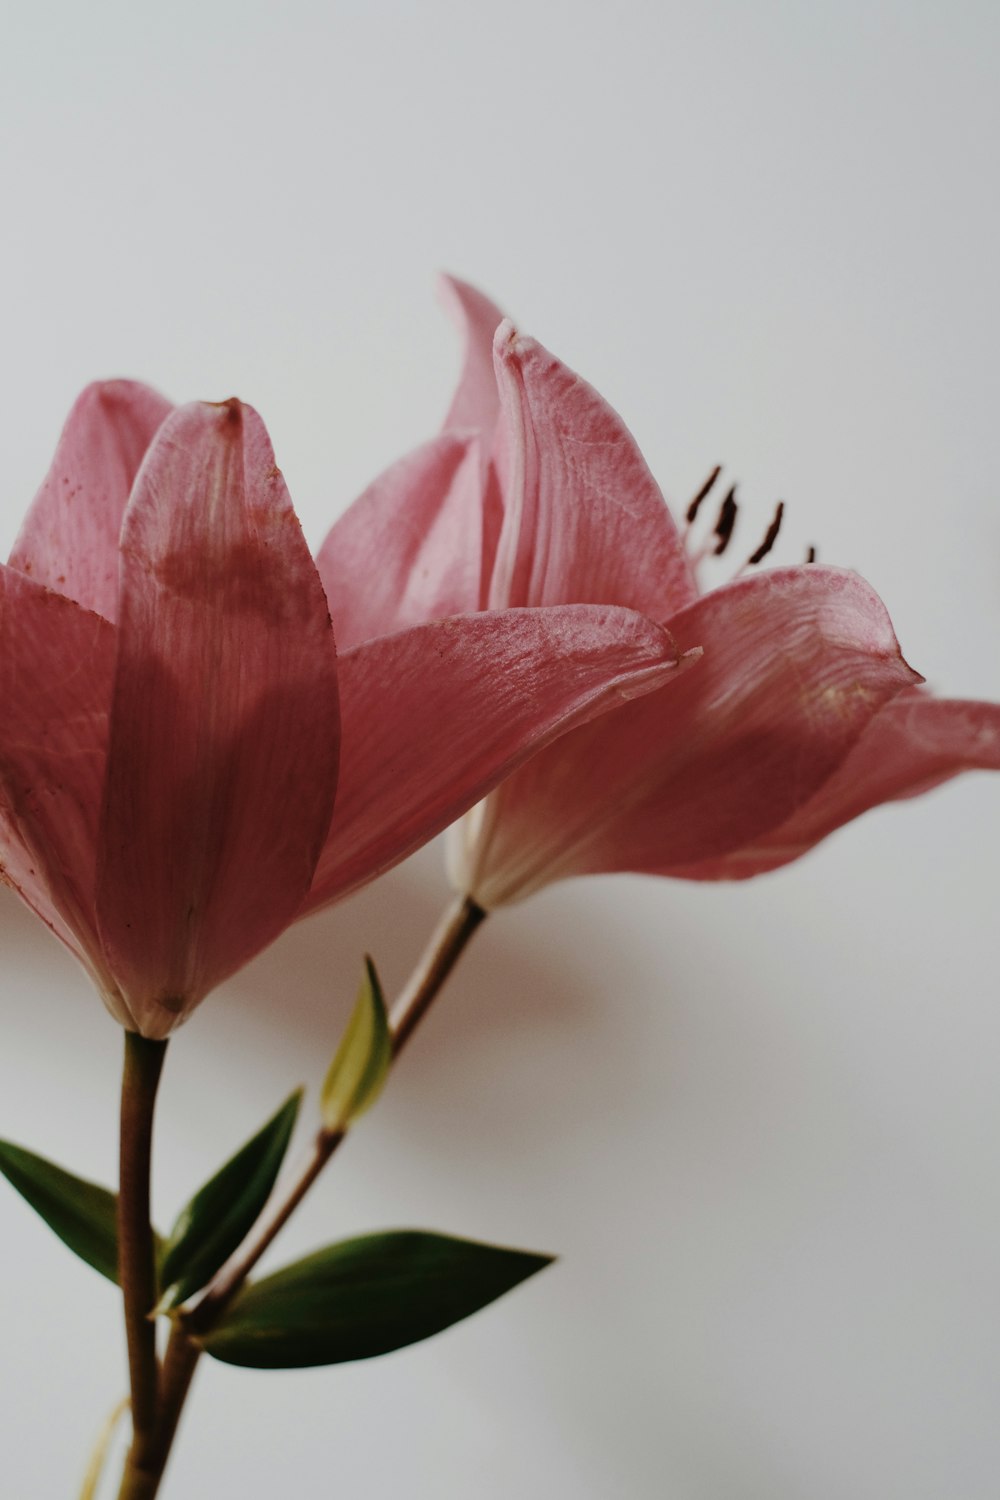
(476, 404)
(56, 666)
(584, 520)
(914, 743)
(410, 548)
(224, 727)
(797, 662)
(434, 717)
(69, 539)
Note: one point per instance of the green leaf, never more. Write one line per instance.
(359, 1069)
(364, 1297)
(221, 1213)
(83, 1215)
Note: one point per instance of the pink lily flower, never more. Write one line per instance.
(177, 723)
(800, 716)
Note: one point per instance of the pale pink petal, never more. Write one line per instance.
(56, 666)
(475, 405)
(224, 728)
(410, 548)
(584, 521)
(796, 664)
(913, 744)
(24, 872)
(69, 539)
(434, 717)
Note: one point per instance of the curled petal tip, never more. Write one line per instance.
(69, 539)
(664, 671)
(475, 402)
(917, 679)
(506, 340)
(645, 682)
(449, 287)
(232, 405)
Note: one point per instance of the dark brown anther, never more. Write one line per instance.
(726, 521)
(693, 508)
(770, 536)
(811, 555)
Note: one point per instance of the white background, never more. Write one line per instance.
(760, 1123)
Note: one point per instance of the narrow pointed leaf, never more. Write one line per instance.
(83, 1215)
(358, 1072)
(364, 1297)
(221, 1213)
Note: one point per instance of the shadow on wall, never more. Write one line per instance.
(524, 1025)
(525, 1047)
(301, 989)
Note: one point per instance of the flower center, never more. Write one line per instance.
(717, 540)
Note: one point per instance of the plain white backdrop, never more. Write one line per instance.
(760, 1124)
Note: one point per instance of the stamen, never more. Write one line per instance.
(693, 508)
(811, 555)
(726, 521)
(770, 536)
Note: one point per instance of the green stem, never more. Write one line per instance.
(136, 1245)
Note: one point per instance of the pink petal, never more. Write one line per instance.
(475, 405)
(584, 520)
(410, 548)
(69, 539)
(434, 717)
(796, 664)
(56, 666)
(912, 745)
(224, 727)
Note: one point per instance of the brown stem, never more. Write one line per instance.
(142, 1480)
(139, 1483)
(440, 957)
(142, 1477)
(136, 1246)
